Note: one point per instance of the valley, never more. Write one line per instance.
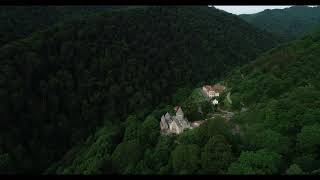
(159, 90)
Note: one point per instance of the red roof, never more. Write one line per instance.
(216, 88)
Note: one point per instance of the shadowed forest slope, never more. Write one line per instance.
(59, 84)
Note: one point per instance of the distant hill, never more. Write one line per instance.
(291, 23)
(60, 83)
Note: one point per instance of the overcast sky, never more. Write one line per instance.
(247, 9)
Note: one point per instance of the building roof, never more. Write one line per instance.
(163, 123)
(179, 111)
(177, 122)
(216, 88)
(176, 108)
(168, 118)
(198, 122)
(219, 88)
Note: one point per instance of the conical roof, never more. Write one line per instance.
(179, 111)
(167, 116)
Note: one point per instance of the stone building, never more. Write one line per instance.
(213, 91)
(174, 124)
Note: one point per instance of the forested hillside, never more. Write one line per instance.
(281, 91)
(291, 23)
(279, 130)
(20, 21)
(58, 85)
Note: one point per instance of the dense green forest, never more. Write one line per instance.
(291, 23)
(100, 76)
(281, 89)
(20, 21)
(279, 131)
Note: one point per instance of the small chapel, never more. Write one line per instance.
(178, 123)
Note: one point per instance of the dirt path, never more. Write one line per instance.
(228, 98)
(226, 113)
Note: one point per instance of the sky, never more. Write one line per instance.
(247, 9)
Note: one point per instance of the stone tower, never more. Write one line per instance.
(179, 114)
(163, 124)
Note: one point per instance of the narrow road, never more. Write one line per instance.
(229, 113)
(228, 98)
(225, 114)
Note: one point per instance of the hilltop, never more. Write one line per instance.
(291, 23)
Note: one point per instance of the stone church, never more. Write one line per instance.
(174, 124)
